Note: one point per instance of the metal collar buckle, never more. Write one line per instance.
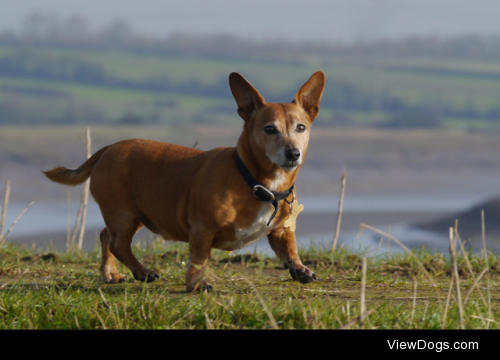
(261, 189)
(291, 202)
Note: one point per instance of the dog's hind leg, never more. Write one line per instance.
(109, 273)
(120, 246)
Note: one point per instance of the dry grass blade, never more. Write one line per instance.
(358, 319)
(68, 231)
(448, 298)
(13, 280)
(469, 266)
(389, 236)
(209, 323)
(4, 208)
(476, 282)
(71, 242)
(484, 319)
(4, 238)
(414, 305)
(487, 263)
(85, 195)
(274, 324)
(82, 209)
(363, 293)
(341, 205)
(104, 301)
(457, 280)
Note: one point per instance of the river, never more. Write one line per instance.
(316, 224)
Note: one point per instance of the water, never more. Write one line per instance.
(374, 243)
(367, 241)
(45, 218)
(371, 242)
(385, 203)
(49, 218)
(53, 217)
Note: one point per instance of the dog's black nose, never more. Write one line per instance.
(292, 154)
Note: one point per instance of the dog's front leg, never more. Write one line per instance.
(200, 245)
(283, 243)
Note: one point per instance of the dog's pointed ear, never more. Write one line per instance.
(247, 97)
(309, 95)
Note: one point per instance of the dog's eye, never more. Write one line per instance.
(271, 130)
(301, 128)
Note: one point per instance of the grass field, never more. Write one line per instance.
(40, 289)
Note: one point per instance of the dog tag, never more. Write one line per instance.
(294, 211)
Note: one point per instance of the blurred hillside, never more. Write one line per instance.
(59, 72)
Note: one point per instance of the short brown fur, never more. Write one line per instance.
(198, 196)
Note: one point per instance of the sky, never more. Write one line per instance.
(291, 20)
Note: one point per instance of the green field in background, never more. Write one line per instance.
(456, 85)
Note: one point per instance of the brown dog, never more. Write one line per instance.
(223, 198)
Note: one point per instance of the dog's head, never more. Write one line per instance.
(280, 131)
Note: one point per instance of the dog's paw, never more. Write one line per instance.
(148, 277)
(205, 287)
(114, 278)
(304, 275)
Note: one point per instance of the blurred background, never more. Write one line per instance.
(411, 109)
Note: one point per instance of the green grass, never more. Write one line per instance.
(417, 88)
(461, 85)
(112, 102)
(65, 292)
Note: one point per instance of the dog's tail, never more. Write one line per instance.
(66, 176)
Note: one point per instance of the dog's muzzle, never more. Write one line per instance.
(292, 154)
(291, 160)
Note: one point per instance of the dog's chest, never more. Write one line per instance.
(257, 230)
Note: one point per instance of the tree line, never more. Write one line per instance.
(41, 30)
(74, 31)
